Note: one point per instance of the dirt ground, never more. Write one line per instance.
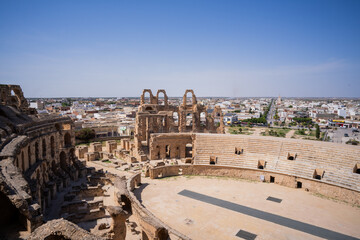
(201, 220)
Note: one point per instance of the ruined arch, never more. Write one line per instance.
(167, 151)
(37, 153)
(151, 96)
(165, 96)
(44, 148)
(72, 155)
(63, 161)
(188, 150)
(162, 234)
(203, 119)
(189, 119)
(194, 101)
(52, 146)
(175, 117)
(29, 155)
(67, 139)
(22, 161)
(218, 118)
(58, 127)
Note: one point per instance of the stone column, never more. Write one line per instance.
(119, 217)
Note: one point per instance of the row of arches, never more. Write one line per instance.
(147, 97)
(39, 150)
(151, 99)
(170, 151)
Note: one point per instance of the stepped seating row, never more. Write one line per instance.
(338, 161)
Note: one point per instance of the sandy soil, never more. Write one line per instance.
(200, 220)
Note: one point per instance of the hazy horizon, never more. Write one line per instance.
(232, 48)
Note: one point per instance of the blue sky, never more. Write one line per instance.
(218, 48)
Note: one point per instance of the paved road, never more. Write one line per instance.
(337, 136)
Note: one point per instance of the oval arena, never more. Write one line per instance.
(173, 180)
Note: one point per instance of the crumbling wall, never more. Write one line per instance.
(60, 228)
(154, 117)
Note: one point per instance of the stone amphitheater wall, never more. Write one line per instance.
(311, 185)
(27, 162)
(152, 227)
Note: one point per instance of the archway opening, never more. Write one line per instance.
(37, 154)
(161, 100)
(167, 151)
(213, 160)
(189, 98)
(56, 237)
(63, 162)
(44, 148)
(147, 97)
(29, 155)
(203, 119)
(52, 146)
(189, 119)
(176, 118)
(67, 140)
(188, 150)
(22, 161)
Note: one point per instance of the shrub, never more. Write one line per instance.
(85, 134)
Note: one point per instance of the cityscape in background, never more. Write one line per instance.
(337, 118)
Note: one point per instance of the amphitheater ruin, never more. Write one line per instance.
(180, 177)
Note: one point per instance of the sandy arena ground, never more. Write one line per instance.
(201, 220)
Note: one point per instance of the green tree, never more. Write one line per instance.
(85, 134)
(317, 133)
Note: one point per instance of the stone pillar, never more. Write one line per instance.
(119, 217)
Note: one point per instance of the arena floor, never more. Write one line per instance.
(226, 208)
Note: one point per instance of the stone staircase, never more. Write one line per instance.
(336, 160)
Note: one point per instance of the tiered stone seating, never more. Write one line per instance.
(336, 160)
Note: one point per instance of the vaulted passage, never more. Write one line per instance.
(9, 214)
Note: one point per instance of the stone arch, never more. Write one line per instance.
(203, 119)
(167, 151)
(18, 96)
(63, 161)
(175, 117)
(44, 148)
(217, 114)
(194, 101)
(144, 236)
(56, 236)
(188, 150)
(189, 118)
(53, 165)
(58, 127)
(165, 96)
(37, 152)
(158, 156)
(38, 179)
(67, 140)
(22, 161)
(52, 146)
(72, 155)
(162, 234)
(151, 96)
(29, 155)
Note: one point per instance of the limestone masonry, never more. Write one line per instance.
(50, 189)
